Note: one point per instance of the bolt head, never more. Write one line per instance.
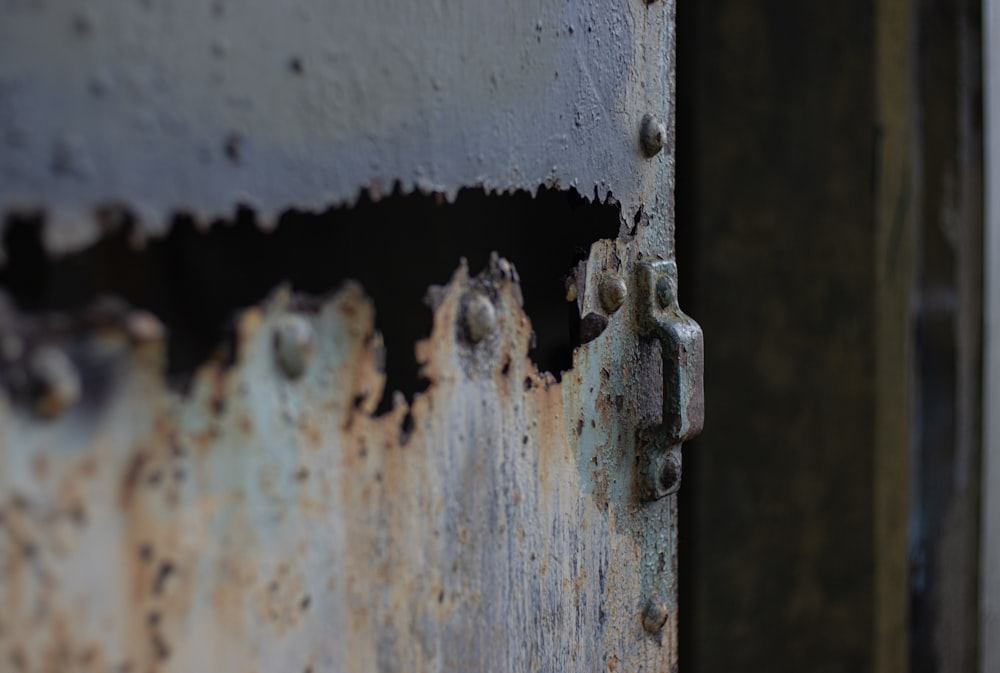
(665, 293)
(144, 327)
(293, 345)
(55, 383)
(654, 616)
(592, 326)
(652, 135)
(670, 472)
(480, 317)
(612, 292)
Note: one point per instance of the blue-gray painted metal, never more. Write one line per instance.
(267, 523)
(197, 107)
(267, 520)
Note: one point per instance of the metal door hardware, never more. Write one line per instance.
(293, 345)
(654, 615)
(682, 346)
(612, 292)
(652, 135)
(480, 316)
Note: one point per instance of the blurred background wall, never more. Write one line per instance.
(829, 228)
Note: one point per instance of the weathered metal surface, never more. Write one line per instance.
(198, 107)
(265, 522)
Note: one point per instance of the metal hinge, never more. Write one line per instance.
(682, 346)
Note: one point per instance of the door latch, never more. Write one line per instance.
(682, 346)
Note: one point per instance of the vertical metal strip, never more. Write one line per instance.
(896, 222)
(990, 577)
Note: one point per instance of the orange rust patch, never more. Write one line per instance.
(245, 424)
(131, 477)
(312, 432)
(553, 454)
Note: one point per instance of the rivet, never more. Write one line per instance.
(480, 317)
(144, 327)
(612, 292)
(665, 294)
(54, 381)
(592, 326)
(293, 345)
(654, 616)
(670, 472)
(652, 135)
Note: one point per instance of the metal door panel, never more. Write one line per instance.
(269, 520)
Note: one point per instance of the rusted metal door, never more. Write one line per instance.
(264, 517)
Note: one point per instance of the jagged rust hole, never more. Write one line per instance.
(396, 247)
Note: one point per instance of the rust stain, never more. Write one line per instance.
(313, 433)
(283, 600)
(130, 480)
(221, 539)
(245, 425)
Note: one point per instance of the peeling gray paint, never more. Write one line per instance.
(198, 107)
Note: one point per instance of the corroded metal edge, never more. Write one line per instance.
(198, 108)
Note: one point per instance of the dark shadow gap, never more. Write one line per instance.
(688, 255)
(396, 248)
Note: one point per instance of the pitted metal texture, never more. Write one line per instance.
(265, 521)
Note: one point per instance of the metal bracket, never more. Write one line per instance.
(682, 346)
